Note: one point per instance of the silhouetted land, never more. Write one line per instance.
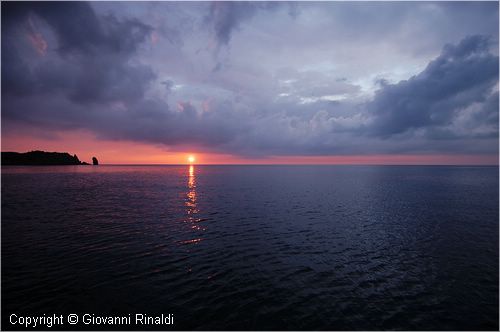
(40, 158)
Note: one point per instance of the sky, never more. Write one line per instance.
(252, 82)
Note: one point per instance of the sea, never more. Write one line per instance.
(251, 247)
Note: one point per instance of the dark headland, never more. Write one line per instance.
(42, 158)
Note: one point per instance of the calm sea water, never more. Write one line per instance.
(254, 247)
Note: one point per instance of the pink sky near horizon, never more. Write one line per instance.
(85, 145)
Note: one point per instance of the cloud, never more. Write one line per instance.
(90, 61)
(287, 86)
(462, 75)
(36, 38)
(227, 16)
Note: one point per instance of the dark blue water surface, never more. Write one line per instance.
(254, 247)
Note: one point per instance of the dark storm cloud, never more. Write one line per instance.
(91, 58)
(289, 90)
(78, 28)
(227, 16)
(462, 75)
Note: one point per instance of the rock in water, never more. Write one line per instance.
(39, 158)
(94, 161)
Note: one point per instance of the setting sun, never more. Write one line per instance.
(191, 159)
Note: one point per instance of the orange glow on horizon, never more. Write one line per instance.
(85, 145)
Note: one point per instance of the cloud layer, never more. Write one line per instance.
(257, 79)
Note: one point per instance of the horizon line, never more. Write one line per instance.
(272, 164)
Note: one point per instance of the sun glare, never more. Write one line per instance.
(191, 159)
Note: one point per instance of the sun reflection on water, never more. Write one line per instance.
(191, 201)
(191, 194)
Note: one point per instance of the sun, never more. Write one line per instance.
(191, 159)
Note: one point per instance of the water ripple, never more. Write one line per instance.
(267, 248)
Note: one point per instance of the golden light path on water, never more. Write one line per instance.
(191, 206)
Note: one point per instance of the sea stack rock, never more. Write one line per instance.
(94, 161)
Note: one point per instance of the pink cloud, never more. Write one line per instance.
(36, 38)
